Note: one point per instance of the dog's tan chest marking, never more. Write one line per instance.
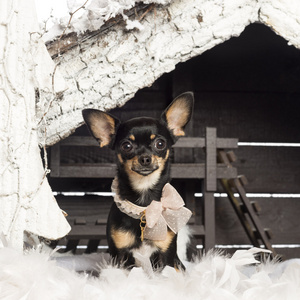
(143, 183)
(122, 239)
(165, 244)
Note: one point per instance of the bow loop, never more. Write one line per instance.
(170, 212)
(153, 212)
(170, 197)
(176, 219)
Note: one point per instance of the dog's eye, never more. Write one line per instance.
(160, 144)
(126, 146)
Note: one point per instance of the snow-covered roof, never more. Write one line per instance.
(107, 67)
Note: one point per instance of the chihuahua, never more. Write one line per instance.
(142, 146)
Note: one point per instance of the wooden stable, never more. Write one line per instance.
(216, 166)
(209, 170)
(247, 88)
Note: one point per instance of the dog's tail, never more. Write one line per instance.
(186, 244)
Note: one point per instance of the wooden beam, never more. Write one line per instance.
(88, 171)
(211, 159)
(55, 161)
(184, 142)
(98, 232)
(188, 171)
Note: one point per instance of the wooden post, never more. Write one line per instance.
(209, 187)
(211, 159)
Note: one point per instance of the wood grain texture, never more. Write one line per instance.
(270, 169)
(280, 215)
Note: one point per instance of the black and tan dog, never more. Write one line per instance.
(142, 146)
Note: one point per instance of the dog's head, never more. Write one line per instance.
(142, 144)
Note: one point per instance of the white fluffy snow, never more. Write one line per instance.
(35, 276)
(54, 15)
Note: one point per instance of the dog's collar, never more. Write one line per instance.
(159, 215)
(125, 206)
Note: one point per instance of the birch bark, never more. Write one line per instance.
(26, 200)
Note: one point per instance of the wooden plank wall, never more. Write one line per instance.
(248, 88)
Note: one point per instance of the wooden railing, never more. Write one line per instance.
(209, 171)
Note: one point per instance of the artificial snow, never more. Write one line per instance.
(38, 275)
(54, 16)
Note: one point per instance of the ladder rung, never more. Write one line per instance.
(245, 207)
(80, 221)
(231, 156)
(267, 231)
(255, 205)
(243, 180)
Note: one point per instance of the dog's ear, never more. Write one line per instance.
(178, 113)
(103, 126)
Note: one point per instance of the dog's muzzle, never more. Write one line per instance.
(145, 165)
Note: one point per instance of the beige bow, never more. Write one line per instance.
(169, 212)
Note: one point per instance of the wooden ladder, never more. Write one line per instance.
(244, 208)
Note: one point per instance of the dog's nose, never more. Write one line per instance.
(145, 160)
